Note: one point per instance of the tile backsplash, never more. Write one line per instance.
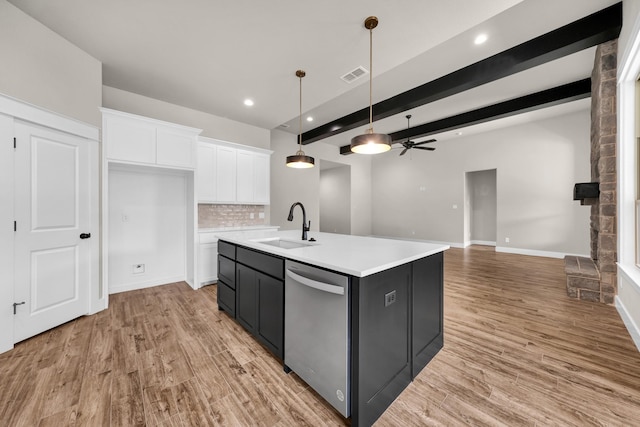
(217, 216)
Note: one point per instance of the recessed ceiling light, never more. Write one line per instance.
(458, 133)
(309, 119)
(480, 38)
(248, 102)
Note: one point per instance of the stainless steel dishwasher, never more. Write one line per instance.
(316, 331)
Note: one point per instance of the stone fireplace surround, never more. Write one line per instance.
(594, 278)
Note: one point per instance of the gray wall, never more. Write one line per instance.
(212, 126)
(303, 185)
(335, 199)
(481, 186)
(42, 68)
(537, 165)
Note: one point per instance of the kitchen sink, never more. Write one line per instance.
(282, 243)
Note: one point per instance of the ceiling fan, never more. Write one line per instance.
(408, 144)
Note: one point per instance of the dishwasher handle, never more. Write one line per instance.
(321, 286)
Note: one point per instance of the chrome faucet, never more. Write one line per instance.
(305, 227)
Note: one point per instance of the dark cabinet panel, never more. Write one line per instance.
(271, 265)
(227, 271)
(381, 358)
(247, 297)
(427, 310)
(271, 313)
(227, 298)
(227, 249)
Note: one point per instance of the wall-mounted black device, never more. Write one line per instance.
(586, 190)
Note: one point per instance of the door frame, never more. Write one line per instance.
(12, 109)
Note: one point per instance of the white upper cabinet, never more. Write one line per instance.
(175, 148)
(245, 177)
(232, 173)
(225, 175)
(206, 173)
(135, 139)
(261, 182)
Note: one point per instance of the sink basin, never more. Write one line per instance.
(284, 244)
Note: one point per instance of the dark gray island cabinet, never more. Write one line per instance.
(395, 315)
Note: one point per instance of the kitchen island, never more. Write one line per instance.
(393, 299)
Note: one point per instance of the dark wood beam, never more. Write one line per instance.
(546, 98)
(584, 33)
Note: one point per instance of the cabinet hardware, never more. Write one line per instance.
(85, 235)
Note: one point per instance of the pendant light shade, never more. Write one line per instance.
(300, 160)
(371, 142)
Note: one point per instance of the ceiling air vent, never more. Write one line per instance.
(354, 75)
(284, 126)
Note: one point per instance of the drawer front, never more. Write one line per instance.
(268, 264)
(227, 271)
(227, 298)
(227, 249)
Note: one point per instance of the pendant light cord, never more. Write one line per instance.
(300, 127)
(371, 80)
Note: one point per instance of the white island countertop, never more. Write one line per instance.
(354, 255)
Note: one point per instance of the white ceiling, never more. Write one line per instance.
(210, 55)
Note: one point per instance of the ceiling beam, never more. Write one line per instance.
(558, 95)
(584, 33)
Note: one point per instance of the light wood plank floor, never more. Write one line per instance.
(517, 352)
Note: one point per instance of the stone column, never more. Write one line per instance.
(603, 170)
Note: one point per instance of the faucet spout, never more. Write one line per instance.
(305, 226)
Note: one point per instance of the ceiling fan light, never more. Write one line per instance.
(371, 143)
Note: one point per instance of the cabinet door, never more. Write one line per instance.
(244, 176)
(175, 149)
(271, 313)
(246, 297)
(130, 140)
(261, 179)
(225, 175)
(206, 173)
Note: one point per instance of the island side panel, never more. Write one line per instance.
(381, 342)
(427, 310)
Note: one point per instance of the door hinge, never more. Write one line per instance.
(14, 143)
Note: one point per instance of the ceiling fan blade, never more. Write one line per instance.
(425, 148)
(424, 142)
(403, 151)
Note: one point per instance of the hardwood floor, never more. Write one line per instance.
(517, 352)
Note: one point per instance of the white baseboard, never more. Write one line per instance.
(142, 285)
(628, 300)
(633, 329)
(533, 252)
(481, 242)
(436, 242)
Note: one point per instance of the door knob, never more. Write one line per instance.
(85, 235)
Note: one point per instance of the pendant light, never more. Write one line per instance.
(300, 160)
(370, 142)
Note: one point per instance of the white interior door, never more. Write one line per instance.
(52, 204)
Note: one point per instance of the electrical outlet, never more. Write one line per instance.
(389, 298)
(125, 217)
(251, 215)
(261, 215)
(138, 268)
(506, 240)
